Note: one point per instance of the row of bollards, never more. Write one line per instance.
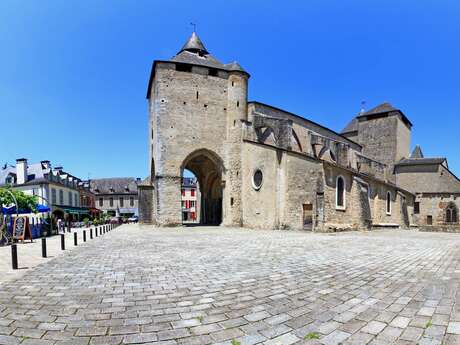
(97, 231)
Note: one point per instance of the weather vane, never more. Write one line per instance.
(194, 26)
(363, 105)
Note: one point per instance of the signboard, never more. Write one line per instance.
(21, 229)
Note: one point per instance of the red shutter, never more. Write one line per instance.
(193, 192)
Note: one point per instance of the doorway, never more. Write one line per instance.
(205, 167)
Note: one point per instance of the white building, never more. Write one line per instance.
(55, 188)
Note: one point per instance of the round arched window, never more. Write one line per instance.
(257, 179)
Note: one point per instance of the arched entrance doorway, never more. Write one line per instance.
(58, 214)
(207, 168)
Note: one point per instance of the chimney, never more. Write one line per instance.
(21, 170)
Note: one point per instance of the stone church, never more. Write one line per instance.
(259, 166)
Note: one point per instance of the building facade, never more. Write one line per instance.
(437, 190)
(116, 196)
(189, 193)
(260, 166)
(59, 190)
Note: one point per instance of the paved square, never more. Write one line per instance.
(215, 285)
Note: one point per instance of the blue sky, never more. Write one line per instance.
(73, 74)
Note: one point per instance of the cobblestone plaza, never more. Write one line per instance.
(211, 285)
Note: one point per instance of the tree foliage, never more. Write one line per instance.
(25, 202)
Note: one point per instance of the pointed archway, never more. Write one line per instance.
(207, 168)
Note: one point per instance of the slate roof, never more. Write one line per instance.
(114, 185)
(5, 172)
(351, 127)
(376, 111)
(145, 182)
(234, 66)
(380, 109)
(35, 169)
(421, 161)
(194, 44)
(196, 59)
(417, 153)
(194, 52)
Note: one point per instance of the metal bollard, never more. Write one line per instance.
(91, 233)
(75, 239)
(14, 256)
(44, 247)
(84, 235)
(96, 231)
(62, 242)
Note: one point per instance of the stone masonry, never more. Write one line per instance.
(228, 286)
(200, 120)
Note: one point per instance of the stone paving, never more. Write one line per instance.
(236, 286)
(29, 254)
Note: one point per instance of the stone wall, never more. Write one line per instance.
(300, 125)
(203, 122)
(427, 178)
(261, 207)
(385, 139)
(303, 181)
(188, 113)
(146, 208)
(434, 205)
(359, 207)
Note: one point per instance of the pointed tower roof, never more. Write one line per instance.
(194, 45)
(385, 107)
(234, 66)
(417, 153)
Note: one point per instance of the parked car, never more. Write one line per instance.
(133, 219)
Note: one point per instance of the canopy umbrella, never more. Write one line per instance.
(9, 209)
(12, 209)
(43, 208)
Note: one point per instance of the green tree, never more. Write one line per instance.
(25, 202)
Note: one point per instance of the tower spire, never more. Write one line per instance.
(194, 45)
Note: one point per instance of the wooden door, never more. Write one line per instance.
(307, 216)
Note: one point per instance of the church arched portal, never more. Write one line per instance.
(207, 168)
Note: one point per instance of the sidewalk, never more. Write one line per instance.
(30, 254)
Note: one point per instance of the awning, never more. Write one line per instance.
(73, 210)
